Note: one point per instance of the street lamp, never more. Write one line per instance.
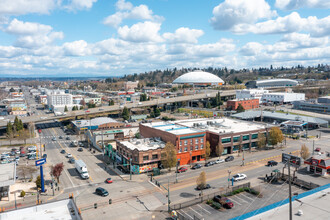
(229, 172)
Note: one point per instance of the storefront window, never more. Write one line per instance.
(246, 137)
(155, 156)
(196, 147)
(226, 140)
(236, 139)
(145, 158)
(202, 140)
(196, 141)
(254, 136)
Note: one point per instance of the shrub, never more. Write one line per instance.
(22, 193)
(216, 205)
(209, 202)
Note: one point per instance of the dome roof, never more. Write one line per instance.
(198, 77)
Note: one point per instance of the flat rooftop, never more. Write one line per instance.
(173, 128)
(143, 144)
(94, 122)
(64, 210)
(222, 125)
(7, 174)
(314, 204)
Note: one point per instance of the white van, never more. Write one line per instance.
(32, 148)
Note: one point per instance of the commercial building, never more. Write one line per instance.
(282, 97)
(318, 164)
(251, 94)
(199, 78)
(322, 105)
(247, 104)
(58, 99)
(189, 142)
(96, 124)
(271, 83)
(145, 154)
(7, 178)
(129, 85)
(106, 136)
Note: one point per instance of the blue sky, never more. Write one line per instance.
(113, 38)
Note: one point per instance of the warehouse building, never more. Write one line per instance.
(251, 94)
(282, 97)
(322, 105)
(271, 83)
(100, 123)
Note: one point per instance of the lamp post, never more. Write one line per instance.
(229, 171)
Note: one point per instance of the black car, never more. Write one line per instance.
(207, 186)
(229, 158)
(60, 137)
(62, 151)
(68, 138)
(196, 166)
(44, 156)
(210, 163)
(101, 191)
(72, 160)
(80, 149)
(271, 163)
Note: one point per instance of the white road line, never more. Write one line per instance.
(203, 209)
(186, 214)
(240, 198)
(235, 201)
(195, 211)
(246, 196)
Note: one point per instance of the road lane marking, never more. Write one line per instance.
(195, 211)
(203, 208)
(186, 214)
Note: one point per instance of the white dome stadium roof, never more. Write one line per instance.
(198, 77)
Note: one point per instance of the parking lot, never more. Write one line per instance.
(243, 203)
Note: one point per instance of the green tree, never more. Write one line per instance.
(201, 180)
(168, 156)
(207, 151)
(81, 107)
(261, 140)
(66, 109)
(38, 182)
(111, 102)
(74, 108)
(143, 97)
(16, 122)
(304, 152)
(208, 105)
(9, 132)
(152, 114)
(240, 108)
(275, 136)
(125, 114)
(219, 149)
(157, 112)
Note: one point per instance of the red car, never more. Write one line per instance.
(318, 149)
(109, 180)
(182, 169)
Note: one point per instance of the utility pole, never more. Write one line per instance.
(313, 148)
(176, 173)
(229, 171)
(102, 144)
(243, 163)
(130, 169)
(290, 196)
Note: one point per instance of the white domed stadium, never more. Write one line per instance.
(199, 78)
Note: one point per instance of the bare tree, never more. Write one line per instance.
(304, 152)
(169, 158)
(219, 149)
(201, 180)
(56, 171)
(261, 140)
(207, 151)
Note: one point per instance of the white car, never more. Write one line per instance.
(239, 176)
(69, 155)
(219, 161)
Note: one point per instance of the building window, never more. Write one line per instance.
(145, 158)
(196, 147)
(185, 149)
(226, 140)
(191, 148)
(155, 156)
(191, 141)
(236, 139)
(246, 137)
(254, 136)
(202, 146)
(180, 143)
(196, 141)
(136, 159)
(202, 140)
(185, 142)
(180, 150)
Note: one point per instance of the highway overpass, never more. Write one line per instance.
(104, 109)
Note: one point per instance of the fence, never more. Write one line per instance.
(203, 198)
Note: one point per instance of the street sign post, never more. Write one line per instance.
(40, 163)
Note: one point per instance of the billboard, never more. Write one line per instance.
(293, 160)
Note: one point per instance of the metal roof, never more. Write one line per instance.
(94, 122)
(198, 77)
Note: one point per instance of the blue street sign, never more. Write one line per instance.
(40, 162)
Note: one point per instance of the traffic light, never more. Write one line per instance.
(95, 205)
(110, 201)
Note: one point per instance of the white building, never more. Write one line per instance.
(250, 94)
(58, 98)
(282, 97)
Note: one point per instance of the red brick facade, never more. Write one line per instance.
(247, 104)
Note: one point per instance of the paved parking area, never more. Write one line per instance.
(243, 203)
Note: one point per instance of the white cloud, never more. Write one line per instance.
(251, 49)
(21, 7)
(80, 4)
(76, 48)
(30, 34)
(298, 40)
(295, 4)
(184, 35)
(127, 11)
(141, 32)
(233, 12)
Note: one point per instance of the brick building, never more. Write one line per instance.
(189, 142)
(100, 123)
(145, 154)
(246, 103)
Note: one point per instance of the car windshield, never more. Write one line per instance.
(236, 176)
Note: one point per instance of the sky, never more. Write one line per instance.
(118, 37)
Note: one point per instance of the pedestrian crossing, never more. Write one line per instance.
(60, 141)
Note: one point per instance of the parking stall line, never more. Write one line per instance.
(235, 201)
(237, 197)
(186, 214)
(246, 197)
(195, 211)
(203, 209)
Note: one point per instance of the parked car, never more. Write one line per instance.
(32, 148)
(196, 166)
(224, 201)
(60, 137)
(44, 156)
(210, 163)
(108, 180)
(182, 169)
(239, 176)
(80, 149)
(54, 139)
(229, 158)
(22, 154)
(207, 186)
(68, 138)
(271, 163)
(219, 161)
(72, 160)
(62, 151)
(69, 155)
(318, 149)
(101, 191)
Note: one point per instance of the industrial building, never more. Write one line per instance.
(247, 104)
(251, 94)
(271, 83)
(282, 97)
(322, 105)
(199, 78)
(96, 124)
